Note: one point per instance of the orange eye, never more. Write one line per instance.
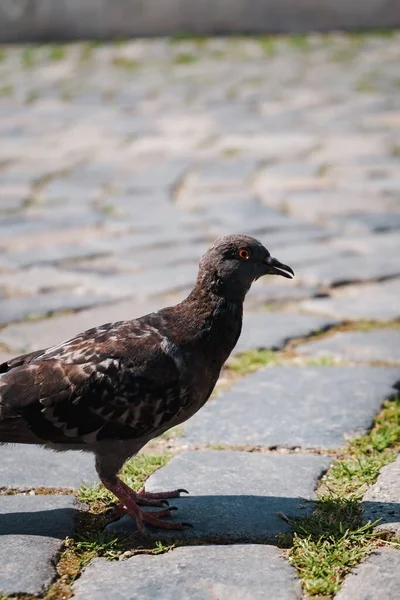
(244, 254)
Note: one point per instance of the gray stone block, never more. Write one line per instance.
(164, 175)
(274, 240)
(170, 255)
(58, 253)
(382, 500)
(359, 346)
(299, 256)
(382, 221)
(24, 466)
(11, 229)
(17, 309)
(348, 269)
(235, 496)
(29, 336)
(32, 530)
(71, 191)
(377, 578)
(327, 205)
(271, 147)
(273, 329)
(238, 572)
(230, 173)
(160, 281)
(250, 215)
(368, 244)
(39, 279)
(262, 293)
(191, 199)
(311, 407)
(379, 301)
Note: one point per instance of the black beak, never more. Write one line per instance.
(274, 267)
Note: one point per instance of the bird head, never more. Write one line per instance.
(233, 262)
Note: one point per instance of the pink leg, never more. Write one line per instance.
(128, 500)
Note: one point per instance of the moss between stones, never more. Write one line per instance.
(331, 541)
(252, 360)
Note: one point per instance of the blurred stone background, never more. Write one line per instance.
(29, 20)
(120, 162)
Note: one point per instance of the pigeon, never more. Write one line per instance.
(113, 388)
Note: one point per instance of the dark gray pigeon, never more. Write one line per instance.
(111, 389)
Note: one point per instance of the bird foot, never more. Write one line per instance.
(153, 518)
(129, 504)
(120, 508)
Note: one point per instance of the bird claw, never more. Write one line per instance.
(161, 495)
(144, 501)
(151, 518)
(161, 513)
(166, 512)
(120, 508)
(129, 504)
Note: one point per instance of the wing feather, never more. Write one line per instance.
(115, 382)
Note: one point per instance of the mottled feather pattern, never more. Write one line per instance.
(89, 388)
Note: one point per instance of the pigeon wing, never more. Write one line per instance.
(118, 384)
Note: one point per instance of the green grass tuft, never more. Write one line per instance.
(321, 361)
(87, 50)
(216, 447)
(172, 434)
(198, 38)
(365, 456)
(57, 52)
(31, 97)
(184, 58)
(371, 325)
(324, 556)
(125, 63)
(333, 539)
(230, 152)
(6, 90)
(28, 57)
(252, 360)
(268, 44)
(108, 210)
(366, 84)
(299, 40)
(99, 543)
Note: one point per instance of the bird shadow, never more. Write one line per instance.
(246, 518)
(56, 523)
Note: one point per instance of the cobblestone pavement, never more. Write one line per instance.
(119, 164)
